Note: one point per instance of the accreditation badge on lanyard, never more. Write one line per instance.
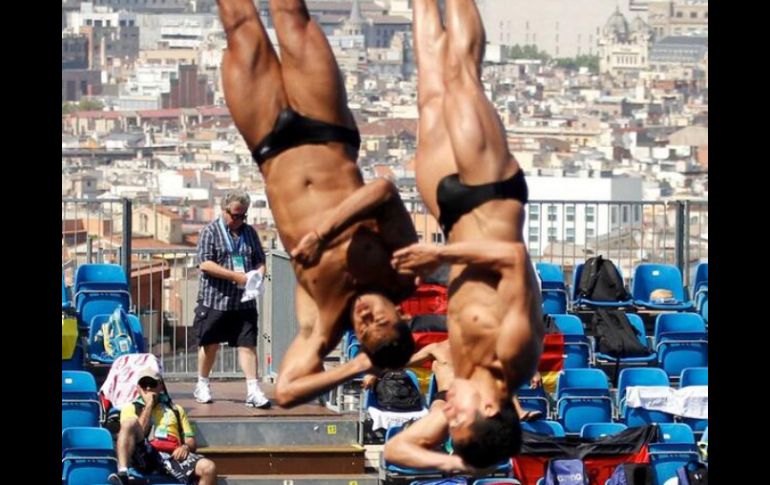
(234, 248)
(239, 265)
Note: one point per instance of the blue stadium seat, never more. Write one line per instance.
(80, 403)
(582, 396)
(641, 376)
(96, 346)
(703, 307)
(666, 461)
(701, 282)
(88, 456)
(681, 341)
(553, 288)
(675, 433)
(534, 399)
(576, 345)
(569, 324)
(694, 376)
(649, 277)
(677, 323)
(674, 449)
(81, 441)
(99, 273)
(600, 430)
(98, 290)
(700, 291)
(544, 427)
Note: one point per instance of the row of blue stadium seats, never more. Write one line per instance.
(680, 340)
(584, 396)
(538, 398)
(670, 433)
(88, 454)
(98, 290)
(647, 277)
(88, 457)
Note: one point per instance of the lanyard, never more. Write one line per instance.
(228, 241)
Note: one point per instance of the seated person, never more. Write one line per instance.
(156, 437)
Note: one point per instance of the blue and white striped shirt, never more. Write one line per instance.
(217, 293)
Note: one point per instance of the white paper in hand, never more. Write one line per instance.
(255, 286)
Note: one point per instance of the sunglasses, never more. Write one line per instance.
(148, 383)
(237, 217)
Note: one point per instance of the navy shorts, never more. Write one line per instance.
(236, 327)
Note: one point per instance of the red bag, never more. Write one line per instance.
(421, 339)
(167, 444)
(427, 299)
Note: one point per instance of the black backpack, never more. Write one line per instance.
(601, 281)
(615, 336)
(395, 391)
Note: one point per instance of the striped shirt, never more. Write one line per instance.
(216, 293)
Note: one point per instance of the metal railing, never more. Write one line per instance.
(93, 230)
(629, 233)
(164, 282)
(166, 289)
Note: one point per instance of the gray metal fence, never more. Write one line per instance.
(93, 230)
(164, 282)
(167, 313)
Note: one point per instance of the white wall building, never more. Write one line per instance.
(150, 80)
(190, 184)
(588, 214)
(90, 15)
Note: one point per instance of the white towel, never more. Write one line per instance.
(255, 286)
(689, 402)
(385, 419)
(120, 385)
